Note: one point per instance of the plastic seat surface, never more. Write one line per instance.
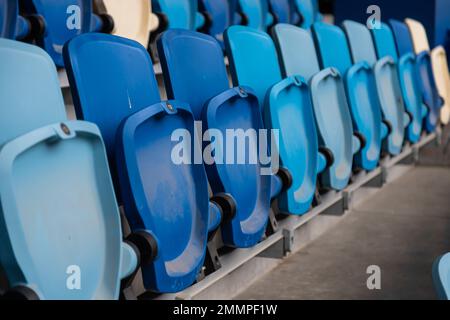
(221, 15)
(442, 77)
(441, 276)
(418, 35)
(430, 95)
(182, 14)
(50, 226)
(121, 95)
(132, 19)
(286, 105)
(12, 25)
(360, 90)
(257, 13)
(409, 80)
(202, 81)
(387, 80)
(309, 10)
(281, 11)
(59, 15)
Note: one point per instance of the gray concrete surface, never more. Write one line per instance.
(402, 229)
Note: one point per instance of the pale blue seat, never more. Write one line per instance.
(409, 80)
(59, 219)
(441, 276)
(165, 198)
(387, 82)
(254, 63)
(308, 10)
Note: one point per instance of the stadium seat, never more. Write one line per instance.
(409, 80)
(283, 11)
(387, 82)
(59, 218)
(133, 19)
(180, 14)
(220, 17)
(430, 96)
(113, 85)
(12, 25)
(441, 276)
(64, 20)
(438, 61)
(359, 82)
(194, 71)
(255, 14)
(247, 64)
(308, 10)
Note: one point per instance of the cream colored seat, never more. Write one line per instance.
(442, 77)
(133, 19)
(438, 60)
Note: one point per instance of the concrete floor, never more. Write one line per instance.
(402, 229)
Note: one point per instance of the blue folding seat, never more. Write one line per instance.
(430, 95)
(283, 11)
(308, 11)
(334, 126)
(360, 90)
(179, 14)
(441, 276)
(255, 14)
(65, 19)
(409, 80)
(12, 25)
(59, 219)
(387, 82)
(220, 17)
(165, 201)
(195, 72)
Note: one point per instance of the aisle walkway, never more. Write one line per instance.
(402, 229)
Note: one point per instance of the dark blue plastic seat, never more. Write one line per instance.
(113, 85)
(59, 217)
(283, 11)
(255, 14)
(387, 82)
(12, 25)
(359, 82)
(195, 72)
(180, 14)
(430, 94)
(58, 16)
(409, 80)
(334, 126)
(221, 17)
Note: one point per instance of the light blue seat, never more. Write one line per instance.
(308, 11)
(12, 25)
(220, 17)
(360, 90)
(180, 14)
(113, 85)
(409, 80)
(255, 14)
(387, 82)
(254, 63)
(195, 72)
(441, 276)
(430, 94)
(59, 217)
(61, 25)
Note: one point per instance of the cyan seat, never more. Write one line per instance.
(255, 14)
(308, 10)
(220, 14)
(279, 97)
(430, 95)
(387, 82)
(360, 89)
(60, 226)
(164, 197)
(409, 79)
(180, 14)
(286, 107)
(64, 20)
(12, 25)
(195, 72)
(441, 276)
